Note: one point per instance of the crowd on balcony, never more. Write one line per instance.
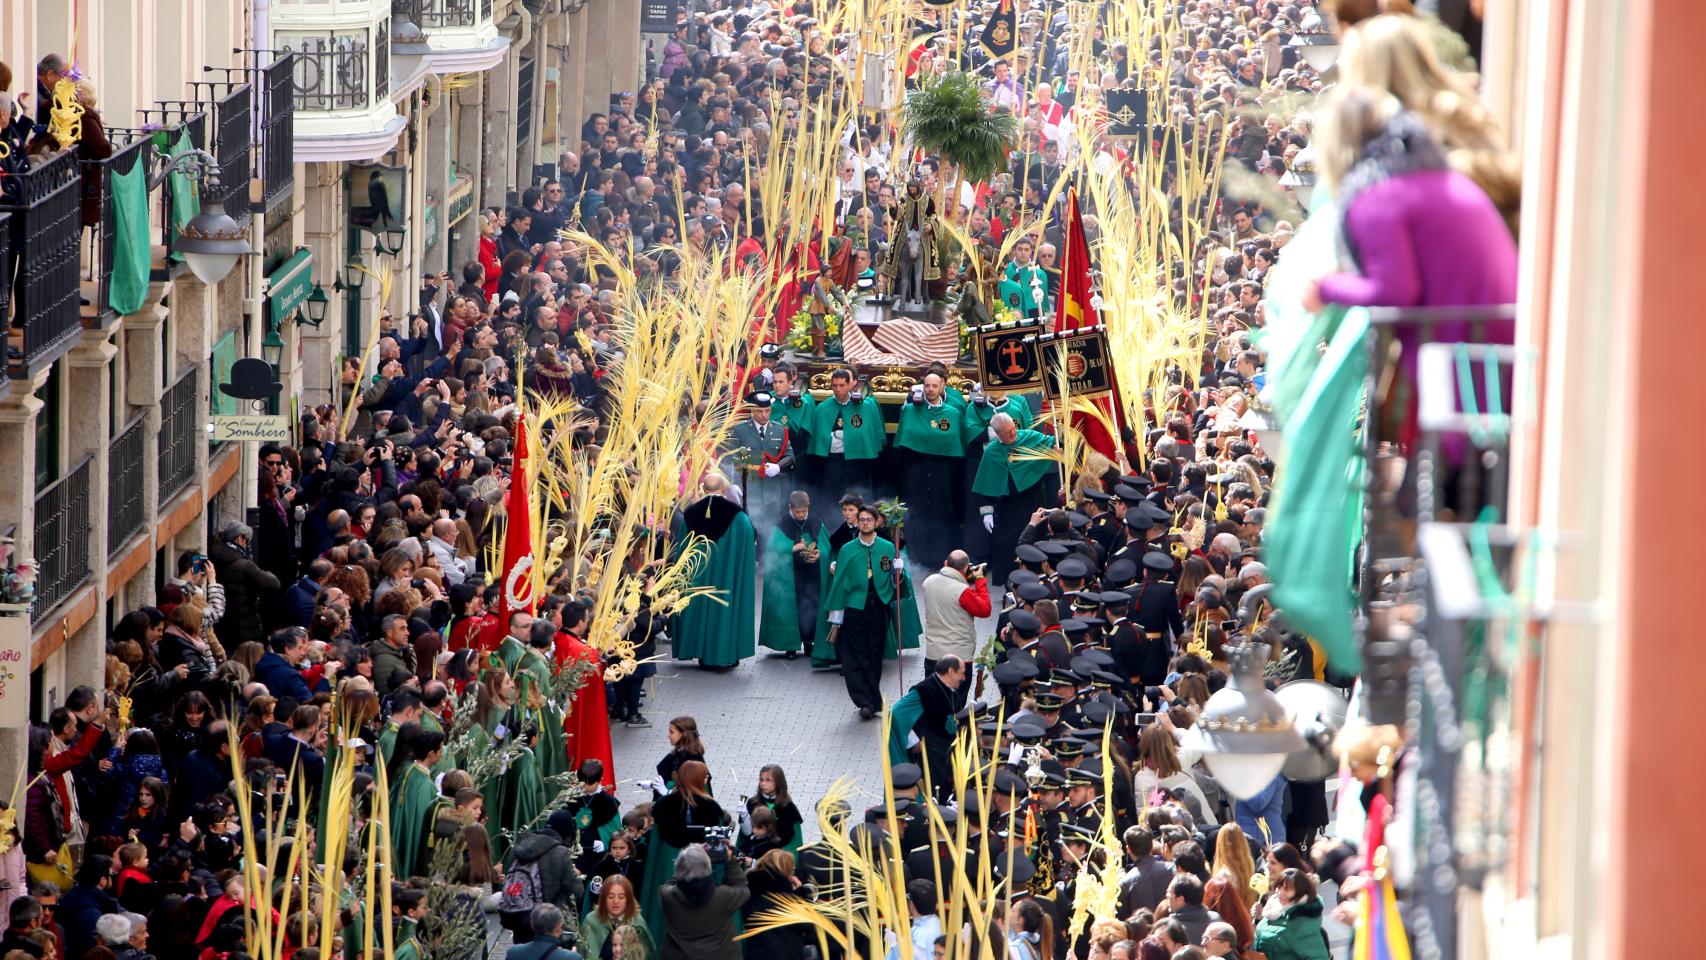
(360, 617)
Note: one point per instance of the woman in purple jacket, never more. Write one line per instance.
(1412, 231)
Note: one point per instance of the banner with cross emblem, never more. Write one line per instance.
(1007, 358)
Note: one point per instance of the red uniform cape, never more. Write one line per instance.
(586, 728)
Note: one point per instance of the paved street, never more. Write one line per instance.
(767, 710)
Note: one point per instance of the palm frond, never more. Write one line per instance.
(950, 117)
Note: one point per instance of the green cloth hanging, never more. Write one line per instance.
(1316, 519)
(186, 193)
(127, 287)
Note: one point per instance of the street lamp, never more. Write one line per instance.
(354, 274)
(314, 307)
(211, 242)
(1319, 49)
(1244, 732)
(1300, 177)
(272, 348)
(394, 237)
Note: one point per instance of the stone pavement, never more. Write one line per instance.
(766, 710)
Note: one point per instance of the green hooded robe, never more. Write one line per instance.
(718, 631)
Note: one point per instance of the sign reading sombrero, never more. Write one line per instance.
(1007, 357)
(1084, 351)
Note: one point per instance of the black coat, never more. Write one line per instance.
(246, 584)
(781, 943)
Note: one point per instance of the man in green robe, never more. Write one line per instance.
(718, 632)
(796, 575)
(761, 459)
(793, 410)
(1024, 287)
(867, 580)
(932, 432)
(535, 671)
(1012, 482)
(434, 695)
(414, 798)
(405, 709)
(846, 438)
(979, 411)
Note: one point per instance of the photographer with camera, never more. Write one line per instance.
(245, 585)
(699, 914)
(955, 597)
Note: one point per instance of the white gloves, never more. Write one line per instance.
(598, 846)
(835, 616)
(917, 393)
(989, 522)
(771, 470)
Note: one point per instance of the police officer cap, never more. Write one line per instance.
(907, 808)
(1098, 496)
(1054, 773)
(1119, 573)
(1034, 591)
(1075, 626)
(760, 399)
(875, 813)
(990, 726)
(1138, 519)
(1028, 731)
(1131, 495)
(1017, 871)
(1073, 568)
(905, 776)
(1097, 712)
(1087, 601)
(770, 351)
(1115, 598)
(1054, 549)
(1104, 678)
(1066, 749)
(1020, 577)
(1050, 702)
(950, 816)
(1013, 672)
(1099, 660)
(1157, 561)
(1158, 516)
(1025, 623)
(1064, 678)
(1077, 834)
(1006, 781)
(1138, 481)
(1029, 553)
(1078, 520)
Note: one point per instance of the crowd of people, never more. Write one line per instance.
(360, 625)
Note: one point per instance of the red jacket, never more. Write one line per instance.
(63, 762)
(494, 268)
(975, 599)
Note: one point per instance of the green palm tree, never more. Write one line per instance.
(950, 118)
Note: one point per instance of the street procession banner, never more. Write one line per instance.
(1007, 358)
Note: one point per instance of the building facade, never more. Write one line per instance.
(353, 139)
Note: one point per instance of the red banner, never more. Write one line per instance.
(1075, 308)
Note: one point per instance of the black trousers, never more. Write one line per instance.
(860, 643)
(840, 475)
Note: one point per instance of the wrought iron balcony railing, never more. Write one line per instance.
(126, 506)
(278, 143)
(45, 202)
(178, 440)
(442, 14)
(233, 119)
(61, 537)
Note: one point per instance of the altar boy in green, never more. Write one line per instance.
(796, 577)
(414, 797)
(718, 634)
(932, 432)
(846, 438)
(1013, 480)
(867, 581)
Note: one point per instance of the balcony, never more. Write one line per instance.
(341, 77)
(178, 441)
(277, 103)
(118, 248)
(460, 33)
(174, 128)
(41, 266)
(61, 538)
(126, 507)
